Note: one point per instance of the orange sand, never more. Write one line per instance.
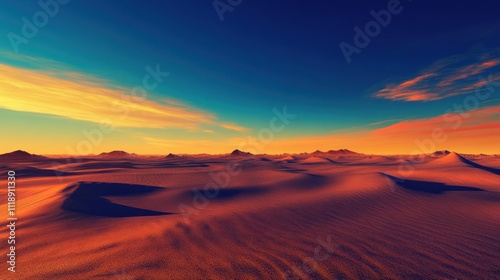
(279, 218)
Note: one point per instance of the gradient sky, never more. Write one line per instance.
(226, 77)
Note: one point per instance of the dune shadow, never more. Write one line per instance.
(485, 168)
(308, 182)
(283, 168)
(430, 187)
(29, 172)
(331, 160)
(238, 192)
(86, 198)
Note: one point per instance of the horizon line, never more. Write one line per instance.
(243, 153)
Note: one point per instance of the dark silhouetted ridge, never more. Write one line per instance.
(172, 156)
(116, 154)
(440, 153)
(238, 153)
(341, 152)
(20, 155)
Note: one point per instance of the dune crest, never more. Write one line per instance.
(455, 160)
(315, 160)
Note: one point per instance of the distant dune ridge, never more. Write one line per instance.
(440, 153)
(314, 160)
(116, 154)
(320, 215)
(238, 153)
(341, 152)
(286, 159)
(172, 156)
(20, 155)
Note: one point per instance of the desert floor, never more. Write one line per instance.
(256, 218)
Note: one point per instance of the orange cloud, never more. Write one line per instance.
(445, 78)
(415, 81)
(469, 71)
(79, 97)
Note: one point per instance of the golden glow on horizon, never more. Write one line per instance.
(476, 132)
(479, 132)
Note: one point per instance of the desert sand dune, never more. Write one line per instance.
(429, 187)
(313, 160)
(279, 218)
(286, 159)
(454, 159)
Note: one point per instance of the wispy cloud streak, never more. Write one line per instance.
(445, 78)
(80, 97)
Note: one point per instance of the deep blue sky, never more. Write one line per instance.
(264, 54)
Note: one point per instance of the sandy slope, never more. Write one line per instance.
(311, 218)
